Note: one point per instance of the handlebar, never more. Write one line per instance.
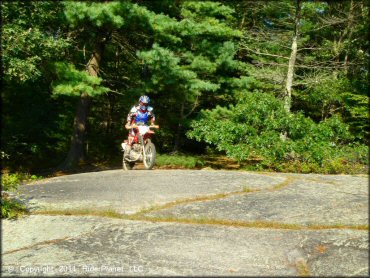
(135, 126)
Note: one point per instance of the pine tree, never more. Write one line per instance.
(191, 66)
(97, 19)
(33, 38)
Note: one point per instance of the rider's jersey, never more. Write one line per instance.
(136, 115)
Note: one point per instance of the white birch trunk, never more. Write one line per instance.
(292, 60)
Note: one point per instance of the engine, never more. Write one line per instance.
(135, 152)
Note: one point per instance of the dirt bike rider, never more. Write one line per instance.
(141, 113)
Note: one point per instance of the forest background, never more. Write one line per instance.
(274, 85)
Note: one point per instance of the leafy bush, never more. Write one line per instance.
(253, 129)
(11, 208)
(10, 182)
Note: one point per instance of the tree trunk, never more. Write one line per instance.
(76, 153)
(292, 59)
(350, 32)
(291, 65)
(179, 129)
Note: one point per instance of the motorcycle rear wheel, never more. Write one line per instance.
(150, 155)
(127, 165)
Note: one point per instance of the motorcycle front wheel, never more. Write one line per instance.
(150, 155)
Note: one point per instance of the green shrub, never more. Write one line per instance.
(254, 128)
(11, 208)
(10, 182)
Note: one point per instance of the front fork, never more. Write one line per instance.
(141, 140)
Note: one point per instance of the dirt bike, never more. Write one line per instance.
(142, 148)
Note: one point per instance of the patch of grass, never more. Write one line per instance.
(11, 208)
(179, 160)
(218, 161)
(140, 216)
(245, 224)
(184, 201)
(250, 190)
(222, 222)
(28, 247)
(285, 183)
(217, 196)
(195, 199)
(110, 213)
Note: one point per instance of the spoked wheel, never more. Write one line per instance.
(127, 165)
(150, 155)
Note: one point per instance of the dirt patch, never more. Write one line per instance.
(221, 162)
